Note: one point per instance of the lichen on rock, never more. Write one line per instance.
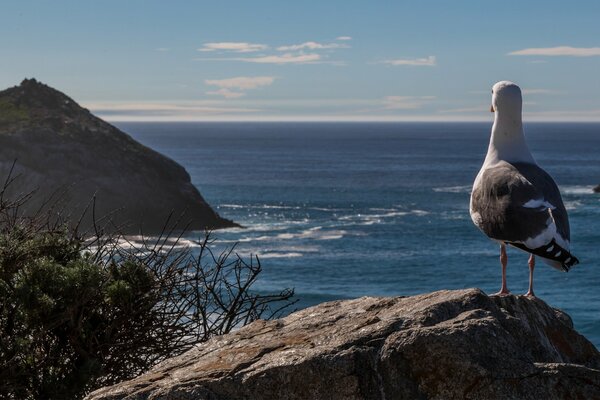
(442, 345)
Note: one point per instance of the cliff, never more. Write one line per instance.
(64, 152)
(443, 345)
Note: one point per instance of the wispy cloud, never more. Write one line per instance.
(226, 93)
(286, 58)
(417, 62)
(167, 111)
(241, 83)
(405, 102)
(565, 115)
(162, 49)
(539, 91)
(558, 51)
(237, 47)
(477, 109)
(302, 53)
(313, 46)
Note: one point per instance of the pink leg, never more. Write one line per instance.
(531, 267)
(503, 260)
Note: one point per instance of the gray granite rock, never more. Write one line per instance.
(457, 344)
(65, 153)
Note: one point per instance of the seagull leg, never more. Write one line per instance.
(503, 260)
(531, 267)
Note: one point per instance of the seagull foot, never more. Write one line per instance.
(530, 294)
(503, 292)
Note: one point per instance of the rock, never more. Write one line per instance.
(597, 189)
(64, 152)
(457, 344)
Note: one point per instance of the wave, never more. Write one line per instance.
(315, 233)
(279, 207)
(453, 189)
(572, 205)
(370, 219)
(141, 244)
(260, 206)
(279, 255)
(231, 206)
(577, 189)
(420, 212)
(455, 215)
(292, 249)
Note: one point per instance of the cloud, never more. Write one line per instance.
(312, 46)
(479, 109)
(168, 111)
(405, 102)
(287, 58)
(236, 47)
(565, 115)
(558, 51)
(302, 53)
(539, 91)
(162, 49)
(228, 94)
(240, 83)
(417, 62)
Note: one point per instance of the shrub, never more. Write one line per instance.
(82, 311)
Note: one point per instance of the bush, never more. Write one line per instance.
(82, 311)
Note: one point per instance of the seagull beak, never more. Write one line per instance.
(492, 108)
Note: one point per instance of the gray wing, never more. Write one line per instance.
(547, 188)
(520, 204)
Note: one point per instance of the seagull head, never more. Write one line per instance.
(506, 99)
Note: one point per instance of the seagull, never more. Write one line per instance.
(514, 201)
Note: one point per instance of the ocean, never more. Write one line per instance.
(342, 210)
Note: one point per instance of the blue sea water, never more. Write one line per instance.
(340, 210)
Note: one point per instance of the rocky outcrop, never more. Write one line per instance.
(458, 344)
(68, 155)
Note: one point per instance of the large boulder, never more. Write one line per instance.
(69, 157)
(459, 344)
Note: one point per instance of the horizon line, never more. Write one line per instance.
(335, 120)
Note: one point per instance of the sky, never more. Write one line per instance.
(307, 60)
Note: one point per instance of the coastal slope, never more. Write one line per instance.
(443, 345)
(68, 156)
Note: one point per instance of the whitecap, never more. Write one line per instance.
(316, 233)
(420, 212)
(388, 215)
(231, 206)
(293, 249)
(453, 189)
(279, 255)
(370, 219)
(278, 207)
(572, 205)
(326, 209)
(577, 189)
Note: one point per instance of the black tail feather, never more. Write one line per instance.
(551, 251)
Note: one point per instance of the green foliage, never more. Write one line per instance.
(61, 313)
(10, 113)
(78, 313)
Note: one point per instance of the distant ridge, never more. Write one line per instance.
(61, 146)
